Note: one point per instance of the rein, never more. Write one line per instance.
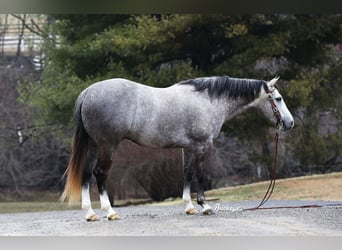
(271, 188)
(273, 176)
(272, 184)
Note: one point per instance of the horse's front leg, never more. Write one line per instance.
(188, 171)
(201, 158)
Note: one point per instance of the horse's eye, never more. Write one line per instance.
(278, 99)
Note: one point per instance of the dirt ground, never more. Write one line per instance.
(152, 220)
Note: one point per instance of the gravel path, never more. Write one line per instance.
(171, 221)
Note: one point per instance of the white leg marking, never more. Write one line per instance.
(190, 209)
(207, 210)
(105, 205)
(186, 194)
(86, 205)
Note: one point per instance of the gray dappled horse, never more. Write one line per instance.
(187, 115)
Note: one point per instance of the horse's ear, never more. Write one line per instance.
(271, 84)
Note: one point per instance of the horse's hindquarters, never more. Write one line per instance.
(107, 112)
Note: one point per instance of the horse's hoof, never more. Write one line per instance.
(191, 211)
(114, 216)
(92, 217)
(208, 211)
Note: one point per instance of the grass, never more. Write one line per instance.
(42, 206)
(316, 187)
(35, 206)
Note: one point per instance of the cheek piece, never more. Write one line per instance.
(275, 110)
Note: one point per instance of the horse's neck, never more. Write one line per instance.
(236, 107)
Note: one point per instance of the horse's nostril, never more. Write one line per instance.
(292, 124)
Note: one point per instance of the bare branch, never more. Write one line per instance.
(35, 29)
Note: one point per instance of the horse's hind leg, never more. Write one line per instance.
(101, 174)
(90, 164)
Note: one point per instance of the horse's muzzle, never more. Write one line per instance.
(286, 125)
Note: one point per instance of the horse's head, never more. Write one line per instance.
(273, 106)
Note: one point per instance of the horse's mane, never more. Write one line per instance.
(227, 86)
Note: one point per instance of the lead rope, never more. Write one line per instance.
(272, 184)
(273, 176)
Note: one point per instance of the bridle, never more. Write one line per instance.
(275, 110)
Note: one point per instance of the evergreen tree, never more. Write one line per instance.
(162, 49)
